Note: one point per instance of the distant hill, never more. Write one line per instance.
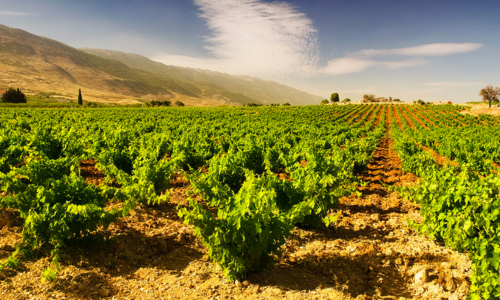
(39, 64)
(265, 91)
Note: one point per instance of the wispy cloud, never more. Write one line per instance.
(273, 39)
(439, 49)
(453, 84)
(15, 13)
(364, 59)
(348, 65)
(255, 37)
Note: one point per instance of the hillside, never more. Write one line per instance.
(38, 64)
(265, 91)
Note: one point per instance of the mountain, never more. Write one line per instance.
(265, 91)
(38, 64)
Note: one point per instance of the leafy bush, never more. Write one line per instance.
(14, 96)
(56, 211)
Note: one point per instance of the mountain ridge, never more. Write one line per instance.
(41, 64)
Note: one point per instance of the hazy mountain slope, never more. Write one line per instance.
(41, 64)
(265, 91)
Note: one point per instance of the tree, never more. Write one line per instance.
(490, 94)
(396, 100)
(179, 103)
(346, 100)
(324, 102)
(334, 98)
(370, 98)
(286, 104)
(80, 99)
(14, 96)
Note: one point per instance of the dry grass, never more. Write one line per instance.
(480, 109)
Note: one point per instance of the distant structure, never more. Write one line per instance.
(443, 102)
(373, 99)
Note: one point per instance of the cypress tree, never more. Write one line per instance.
(80, 99)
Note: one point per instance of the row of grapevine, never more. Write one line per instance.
(459, 205)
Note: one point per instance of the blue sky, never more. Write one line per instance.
(431, 50)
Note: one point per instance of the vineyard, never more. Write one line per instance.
(297, 202)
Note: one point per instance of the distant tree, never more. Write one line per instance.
(80, 99)
(179, 103)
(346, 100)
(14, 96)
(490, 94)
(324, 102)
(166, 103)
(370, 97)
(334, 98)
(254, 104)
(396, 100)
(286, 104)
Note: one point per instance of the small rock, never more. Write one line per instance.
(450, 285)
(421, 277)
(103, 292)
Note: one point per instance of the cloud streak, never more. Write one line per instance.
(453, 84)
(438, 49)
(274, 39)
(15, 14)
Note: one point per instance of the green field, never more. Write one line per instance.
(260, 172)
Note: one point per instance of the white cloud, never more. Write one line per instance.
(439, 49)
(254, 37)
(15, 14)
(274, 39)
(453, 84)
(348, 65)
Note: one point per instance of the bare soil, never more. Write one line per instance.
(478, 109)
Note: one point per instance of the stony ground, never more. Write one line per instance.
(369, 253)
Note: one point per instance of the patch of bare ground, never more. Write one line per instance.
(90, 173)
(369, 253)
(479, 109)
